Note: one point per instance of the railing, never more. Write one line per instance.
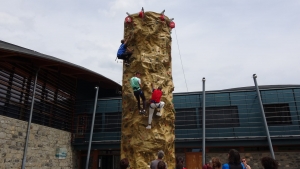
(231, 115)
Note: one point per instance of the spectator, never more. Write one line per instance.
(234, 160)
(216, 164)
(161, 165)
(179, 163)
(154, 163)
(124, 164)
(244, 161)
(207, 165)
(269, 163)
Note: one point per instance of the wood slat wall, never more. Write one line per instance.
(54, 99)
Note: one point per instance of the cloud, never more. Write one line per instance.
(224, 41)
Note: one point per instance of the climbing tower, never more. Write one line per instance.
(151, 42)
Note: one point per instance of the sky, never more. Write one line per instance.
(225, 41)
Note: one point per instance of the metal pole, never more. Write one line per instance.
(92, 129)
(264, 117)
(29, 122)
(203, 122)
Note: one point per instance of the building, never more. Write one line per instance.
(64, 102)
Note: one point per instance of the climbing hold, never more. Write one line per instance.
(162, 17)
(172, 25)
(128, 19)
(142, 14)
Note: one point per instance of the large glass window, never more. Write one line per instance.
(277, 114)
(113, 121)
(219, 117)
(186, 119)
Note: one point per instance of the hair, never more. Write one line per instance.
(179, 166)
(216, 163)
(269, 163)
(234, 157)
(124, 163)
(161, 165)
(179, 159)
(159, 87)
(122, 41)
(179, 162)
(137, 73)
(160, 154)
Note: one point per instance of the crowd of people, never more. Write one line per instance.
(234, 162)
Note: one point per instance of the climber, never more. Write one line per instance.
(135, 83)
(155, 103)
(125, 52)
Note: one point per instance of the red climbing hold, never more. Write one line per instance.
(172, 25)
(128, 19)
(141, 14)
(162, 17)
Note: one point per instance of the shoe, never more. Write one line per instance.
(144, 112)
(158, 114)
(140, 112)
(148, 127)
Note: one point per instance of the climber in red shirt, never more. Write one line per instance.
(155, 103)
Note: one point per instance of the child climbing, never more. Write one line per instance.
(155, 103)
(135, 83)
(125, 52)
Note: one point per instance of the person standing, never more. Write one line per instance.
(160, 155)
(234, 160)
(161, 165)
(135, 83)
(155, 103)
(179, 163)
(269, 163)
(207, 166)
(216, 163)
(244, 161)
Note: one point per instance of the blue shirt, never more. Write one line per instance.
(226, 166)
(122, 49)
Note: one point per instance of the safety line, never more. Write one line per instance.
(181, 61)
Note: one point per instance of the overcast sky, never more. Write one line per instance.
(225, 41)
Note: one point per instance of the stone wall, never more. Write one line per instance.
(42, 145)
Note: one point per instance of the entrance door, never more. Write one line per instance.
(193, 160)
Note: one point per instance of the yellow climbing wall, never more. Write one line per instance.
(151, 42)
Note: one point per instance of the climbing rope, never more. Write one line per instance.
(181, 62)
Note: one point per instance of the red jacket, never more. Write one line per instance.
(206, 167)
(156, 95)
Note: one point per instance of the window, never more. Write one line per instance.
(54, 96)
(277, 114)
(219, 117)
(113, 122)
(186, 119)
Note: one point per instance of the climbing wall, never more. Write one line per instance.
(151, 42)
